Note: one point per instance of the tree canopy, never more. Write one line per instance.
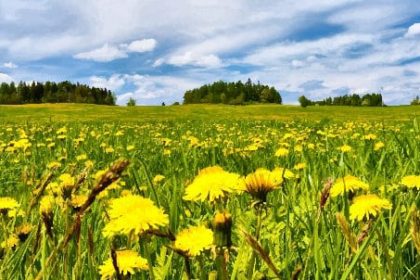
(52, 92)
(369, 99)
(234, 93)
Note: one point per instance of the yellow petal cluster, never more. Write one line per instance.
(193, 240)
(347, 184)
(128, 262)
(262, 181)
(134, 213)
(212, 183)
(411, 181)
(8, 203)
(368, 205)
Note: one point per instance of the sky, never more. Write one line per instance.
(154, 50)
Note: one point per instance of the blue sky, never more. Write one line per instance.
(155, 50)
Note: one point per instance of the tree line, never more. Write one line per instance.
(234, 93)
(52, 92)
(369, 99)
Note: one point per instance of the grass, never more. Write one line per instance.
(292, 235)
(83, 112)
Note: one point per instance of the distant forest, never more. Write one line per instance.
(234, 93)
(370, 99)
(51, 92)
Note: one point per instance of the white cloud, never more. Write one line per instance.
(108, 52)
(140, 46)
(413, 30)
(113, 83)
(4, 78)
(189, 58)
(105, 53)
(9, 65)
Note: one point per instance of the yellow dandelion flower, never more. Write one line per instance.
(347, 184)
(299, 166)
(81, 157)
(345, 148)
(411, 181)
(10, 242)
(212, 183)
(7, 204)
(158, 178)
(53, 165)
(282, 152)
(134, 213)
(368, 205)
(46, 204)
(284, 173)
(261, 182)
(23, 231)
(66, 180)
(378, 145)
(128, 262)
(193, 240)
(78, 200)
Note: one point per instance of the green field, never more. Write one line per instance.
(209, 192)
(73, 112)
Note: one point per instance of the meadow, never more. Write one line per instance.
(209, 192)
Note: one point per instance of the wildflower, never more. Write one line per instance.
(78, 200)
(130, 148)
(7, 204)
(299, 166)
(345, 148)
(261, 182)
(81, 157)
(281, 152)
(134, 213)
(222, 225)
(193, 240)
(53, 165)
(212, 183)
(10, 243)
(46, 204)
(128, 262)
(368, 205)
(411, 181)
(378, 145)
(347, 184)
(284, 173)
(158, 178)
(23, 231)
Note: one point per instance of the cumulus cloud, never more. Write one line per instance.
(413, 30)
(9, 65)
(189, 58)
(105, 53)
(4, 78)
(108, 52)
(113, 83)
(140, 46)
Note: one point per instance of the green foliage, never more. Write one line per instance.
(233, 93)
(51, 92)
(369, 99)
(416, 101)
(131, 102)
(304, 102)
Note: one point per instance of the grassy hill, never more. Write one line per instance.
(84, 112)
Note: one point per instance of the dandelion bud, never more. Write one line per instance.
(222, 225)
(23, 232)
